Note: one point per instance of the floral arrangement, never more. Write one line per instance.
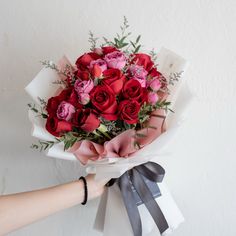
(110, 89)
(109, 111)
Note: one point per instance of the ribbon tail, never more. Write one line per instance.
(147, 198)
(130, 204)
(101, 213)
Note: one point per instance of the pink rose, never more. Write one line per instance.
(84, 98)
(152, 98)
(138, 73)
(101, 63)
(116, 60)
(65, 111)
(154, 84)
(83, 86)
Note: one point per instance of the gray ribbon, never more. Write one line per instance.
(133, 177)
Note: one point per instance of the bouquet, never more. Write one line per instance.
(109, 111)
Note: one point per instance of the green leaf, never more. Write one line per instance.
(137, 49)
(132, 44)
(138, 38)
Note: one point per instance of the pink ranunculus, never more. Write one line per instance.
(101, 63)
(116, 60)
(154, 84)
(65, 111)
(84, 98)
(83, 86)
(138, 73)
(152, 98)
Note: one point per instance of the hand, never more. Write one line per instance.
(95, 187)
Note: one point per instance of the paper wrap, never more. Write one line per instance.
(111, 208)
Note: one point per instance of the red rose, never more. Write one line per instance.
(108, 49)
(56, 127)
(68, 95)
(114, 78)
(83, 62)
(144, 60)
(65, 94)
(133, 90)
(128, 111)
(104, 100)
(154, 73)
(82, 74)
(54, 102)
(73, 99)
(52, 105)
(86, 119)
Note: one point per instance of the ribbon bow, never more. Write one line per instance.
(134, 177)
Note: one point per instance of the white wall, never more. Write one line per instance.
(201, 173)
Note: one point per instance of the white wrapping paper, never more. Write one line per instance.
(111, 208)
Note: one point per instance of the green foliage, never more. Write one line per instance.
(92, 40)
(153, 55)
(136, 46)
(42, 145)
(175, 77)
(68, 71)
(38, 111)
(69, 139)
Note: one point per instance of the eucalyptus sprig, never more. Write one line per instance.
(136, 46)
(164, 104)
(43, 145)
(69, 139)
(120, 39)
(38, 111)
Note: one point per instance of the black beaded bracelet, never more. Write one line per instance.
(85, 190)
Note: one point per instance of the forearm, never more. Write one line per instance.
(17, 210)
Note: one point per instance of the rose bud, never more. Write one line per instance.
(96, 71)
(65, 111)
(84, 98)
(115, 60)
(154, 84)
(83, 86)
(152, 98)
(101, 63)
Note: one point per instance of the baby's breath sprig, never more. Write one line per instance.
(175, 77)
(92, 40)
(42, 102)
(153, 55)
